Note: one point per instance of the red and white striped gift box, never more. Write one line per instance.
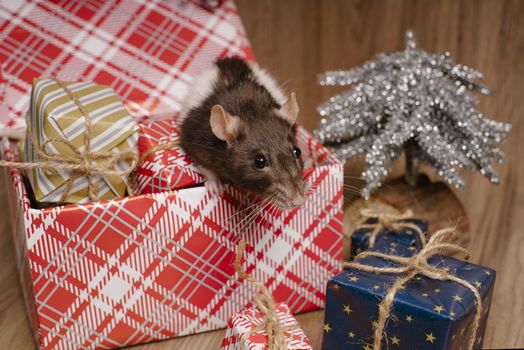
(238, 337)
(147, 51)
(164, 170)
(153, 266)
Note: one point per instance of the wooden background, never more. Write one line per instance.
(295, 40)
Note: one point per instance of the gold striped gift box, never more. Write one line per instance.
(53, 115)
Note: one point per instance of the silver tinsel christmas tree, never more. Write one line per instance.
(416, 102)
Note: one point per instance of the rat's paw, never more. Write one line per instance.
(215, 187)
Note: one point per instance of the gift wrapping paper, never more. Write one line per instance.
(164, 170)
(53, 115)
(148, 52)
(406, 236)
(155, 266)
(426, 314)
(241, 323)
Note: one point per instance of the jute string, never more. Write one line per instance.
(389, 221)
(266, 305)
(84, 163)
(442, 242)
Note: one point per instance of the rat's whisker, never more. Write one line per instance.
(247, 208)
(352, 187)
(258, 204)
(353, 177)
(253, 217)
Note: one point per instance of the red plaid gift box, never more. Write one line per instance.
(153, 266)
(164, 170)
(238, 338)
(147, 51)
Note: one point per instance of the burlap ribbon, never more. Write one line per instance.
(80, 163)
(265, 303)
(87, 162)
(442, 242)
(389, 221)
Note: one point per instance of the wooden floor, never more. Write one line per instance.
(296, 39)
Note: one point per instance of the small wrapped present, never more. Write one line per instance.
(396, 228)
(242, 333)
(164, 166)
(268, 326)
(81, 142)
(421, 300)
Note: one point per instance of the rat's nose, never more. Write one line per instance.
(297, 201)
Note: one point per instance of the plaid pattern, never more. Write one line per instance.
(155, 266)
(246, 320)
(147, 51)
(164, 170)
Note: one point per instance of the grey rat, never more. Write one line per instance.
(239, 128)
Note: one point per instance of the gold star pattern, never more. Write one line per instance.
(393, 244)
(409, 318)
(437, 290)
(335, 286)
(412, 248)
(418, 278)
(327, 328)
(478, 284)
(395, 340)
(425, 295)
(351, 334)
(430, 338)
(354, 278)
(367, 347)
(376, 286)
(457, 297)
(375, 324)
(487, 273)
(347, 309)
(438, 308)
(452, 314)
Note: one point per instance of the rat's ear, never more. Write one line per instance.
(224, 125)
(289, 111)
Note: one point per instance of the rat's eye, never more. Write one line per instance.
(297, 152)
(260, 162)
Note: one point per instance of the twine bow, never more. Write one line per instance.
(442, 242)
(266, 305)
(87, 162)
(81, 162)
(389, 221)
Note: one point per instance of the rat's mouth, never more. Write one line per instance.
(288, 203)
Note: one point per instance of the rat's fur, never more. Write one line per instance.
(247, 92)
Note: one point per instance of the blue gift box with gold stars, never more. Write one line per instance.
(426, 313)
(406, 235)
